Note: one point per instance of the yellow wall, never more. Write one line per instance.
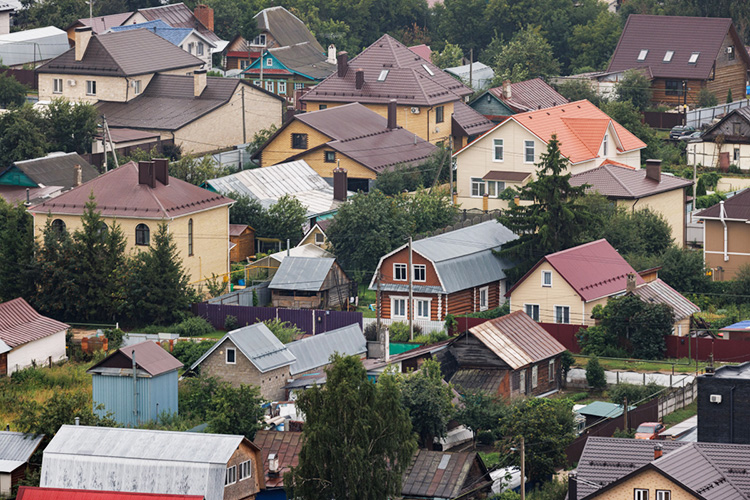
(310, 238)
(280, 148)
(670, 204)
(650, 480)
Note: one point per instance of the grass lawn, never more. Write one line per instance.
(680, 365)
(490, 458)
(366, 297)
(678, 416)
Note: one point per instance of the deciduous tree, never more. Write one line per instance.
(71, 127)
(449, 57)
(12, 92)
(428, 400)
(479, 412)
(636, 88)
(527, 55)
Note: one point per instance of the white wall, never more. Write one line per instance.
(39, 351)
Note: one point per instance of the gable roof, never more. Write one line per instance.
(173, 35)
(517, 339)
(619, 182)
(149, 357)
(178, 15)
(411, 80)
(735, 208)
(529, 95)
(302, 273)
(603, 409)
(682, 34)
(258, 344)
(593, 270)
(100, 24)
(16, 449)
(119, 194)
(286, 445)
(315, 352)
(32, 46)
(470, 121)
(708, 134)
(56, 169)
(658, 292)
(439, 474)
(285, 27)
(20, 324)
(480, 74)
(36, 493)
(302, 58)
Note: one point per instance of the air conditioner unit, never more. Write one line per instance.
(730, 50)
(715, 398)
(72, 83)
(437, 130)
(415, 110)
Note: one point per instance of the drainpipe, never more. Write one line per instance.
(731, 414)
(722, 214)
(135, 390)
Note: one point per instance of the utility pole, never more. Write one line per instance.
(410, 306)
(111, 144)
(523, 469)
(625, 413)
(244, 128)
(471, 68)
(450, 168)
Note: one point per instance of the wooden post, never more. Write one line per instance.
(523, 469)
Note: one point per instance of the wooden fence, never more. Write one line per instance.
(661, 120)
(25, 76)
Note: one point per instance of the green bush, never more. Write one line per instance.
(399, 331)
(114, 338)
(578, 396)
(734, 169)
(189, 352)
(433, 337)
(634, 393)
(486, 437)
(623, 434)
(284, 330)
(491, 313)
(709, 200)
(595, 375)
(231, 323)
(194, 327)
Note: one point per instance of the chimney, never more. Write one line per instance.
(572, 486)
(653, 170)
(359, 78)
(78, 420)
(506, 89)
(273, 464)
(630, 286)
(339, 184)
(392, 114)
(343, 64)
(331, 54)
(146, 174)
(657, 451)
(205, 15)
(5, 21)
(78, 176)
(199, 82)
(82, 38)
(161, 170)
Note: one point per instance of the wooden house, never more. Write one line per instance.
(310, 283)
(316, 235)
(16, 449)
(440, 475)
(499, 103)
(241, 242)
(724, 143)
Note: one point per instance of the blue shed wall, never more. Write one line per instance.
(116, 396)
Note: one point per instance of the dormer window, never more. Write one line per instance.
(693, 58)
(383, 75)
(428, 70)
(668, 56)
(642, 54)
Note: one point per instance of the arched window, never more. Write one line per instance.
(190, 237)
(142, 235)
(59, 226)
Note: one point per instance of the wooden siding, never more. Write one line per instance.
(659, 92)
(434, 298)
(471, 353)
(402, 257)
(334, 294)
(729, 73)
(244, 246)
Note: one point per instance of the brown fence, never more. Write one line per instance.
(25, 76)
(658, 119)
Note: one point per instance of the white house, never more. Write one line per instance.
(27, 338)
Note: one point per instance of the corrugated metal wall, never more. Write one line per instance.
(116, 396)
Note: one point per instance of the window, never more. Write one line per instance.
(323, 106)
(329, 157)
(246, 470)
(672, 87)
(420, 272)
(428, 70)
(399, 272)
(528, 151)
(484, 298)
(551, 370)
(532, 310)
(300, 86)
(231, 476)
(694, 58)
(605, 144)
(90, 87)
(642, 54)
(547, 278)
(299, 141)
(423, 308)
(639, 494)
(58, 226)
(477, 187)
(142, 235)
(281, 87)
(190, 237)
(730, 56)
(257, 83)
(398, 308)
(383, 75)
(534, 376)
(562, 314)
(269, 85)
(736, 128)
(320, 238)
(491, 189)
(200, 49)
(259, 40)
(499, 149)
(244, 63)
(440, 114)
(57, 85)
(668, 56)
(736, 154)
(231, 356)
(269, 62)
(190, 47)
(136, 86)
(522, 383)
(663, 495)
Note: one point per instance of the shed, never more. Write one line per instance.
(32, 46)
(439, 475)
(736, 331)
(268, 265)
(16, 449)
(242, 242)
(154, 390)
(310, 283)
(599, 410)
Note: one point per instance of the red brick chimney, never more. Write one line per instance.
(359, 78)
(147, 173)
(657, 451)
(78, 176)
(205, 15)
(653, 170)
(161, 170)
(343, 64)
(339, 184)
(392, 110)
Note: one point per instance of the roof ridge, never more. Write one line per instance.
(696, 446)
(617, 179)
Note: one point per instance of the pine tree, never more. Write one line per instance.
(56, 287)
(17, 249)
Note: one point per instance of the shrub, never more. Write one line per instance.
(486, 437)
(634, 393)
(578, 396)
(231, 323)
(433, 337)
(451, 322)
(623, 434)
(734, 169)
(566, 361)
(114, 338)
(400, 331)
(284, 330)
(189, 352)
(371, 331)
(595, 375)
(194, 327)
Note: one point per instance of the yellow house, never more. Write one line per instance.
(139, 197)
(316, 235)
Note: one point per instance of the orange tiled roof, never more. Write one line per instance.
(616, 164)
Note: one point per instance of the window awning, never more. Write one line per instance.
(504, 175)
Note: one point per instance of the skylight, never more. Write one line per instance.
(694, 58)
(383, 75)
(668, 56)
(642, 54)
(428, 70)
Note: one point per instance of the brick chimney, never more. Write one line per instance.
(339, 184)
(392, 110)
(205, 15)
(653, 170)
(77, 176)
(146, 173)
(507, 89)
(657, 451)
(331, 54)
(199, 82)
(82, 38)
(630, 283)
(343, 64)
(161, 170)
(359, 79)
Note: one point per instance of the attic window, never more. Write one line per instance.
(428, 70)
(668, 56)
(642, 54)
(383, 75)
(693, 58)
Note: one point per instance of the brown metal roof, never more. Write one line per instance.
(682, 34)
(438, 474)
(286, 28)
(304, 58)
(408, 79)
(123, 53)
(505, 175)
(100, 24)
(149, 357)
(423, 51)
(178, 15)
(286, 445)
(619, 182)
(737, 207)
(119, 194)
(470, 121)
(119, 135)
(237, 229)
(658, 292)
(57, 169)
(517, 339)
(530, 95)
(20, 323)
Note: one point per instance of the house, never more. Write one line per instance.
(98, 24)
(442, 475)
(726, 236)
(44, 177)
(658, 292)
(188, 39)
(266, 267)
(279, 452)
(139, 197)
(507, 356)
(310, 283)
(456, 272)
(313, 354)
(723, 408)
(681, 62)
(146, 368)
(344, 137)
(316, 235)
(178, 15)
(6, 10)
(30, 48)
(36, 493)
(631, 189)
(617, 468)
(508, 155)
(499, 103)
(16, 449)
(242, 242)
(27, 338)
(426, 96)
(112, 66)
(476, 75)
(214, 466)
(724, 143)
(199, 113)
(736, 331)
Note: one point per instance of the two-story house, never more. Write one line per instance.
(507, 156)
(726, 235)
(498, 103)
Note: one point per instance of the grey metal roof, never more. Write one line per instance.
(313, 352)
(146, 461)
(258, 344)
(302, 273)
(658, 292)
(481, 75)
(29, 46)
(304, 58)
(285, 27)
(16, 447)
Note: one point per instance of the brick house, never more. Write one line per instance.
(507, 356)
(456, 272)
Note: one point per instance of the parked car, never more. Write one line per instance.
(679, 131)
(690, 136)
(649, 430)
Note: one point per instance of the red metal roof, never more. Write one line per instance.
(35, 493)
(423, 51)
(149, 356)
(530, 95)
(20, 323)
(286, 445)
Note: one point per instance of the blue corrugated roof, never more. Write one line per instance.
(159, 27)
(740, 326)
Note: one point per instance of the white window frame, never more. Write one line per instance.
(422, 305)
(423, 269)
(663, 494)
(269, 85)
(551, 370)
(383, 75)
(492, 189)
(534, 376)
(477, 182)
(230, 476)
(281, 87)
(246, 470)
(269, 62)
(90, 87)
(546, 274)
(529, 146)
(640, 494)
(642, 54)
(244, 63)
(401, 267)
(57, 85)
(405, 314)
(562, 308)
(736, 154)
(259, 41)
(498, 145)
(199, 49)
(668, 56)
(320, 238)
(694, 58)
(299, 86)
(532, 306)
(484, 291)
(234, 355)
(605, 144)
(190, 47)
(258, 83)
(137, 87)
(522, 381)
